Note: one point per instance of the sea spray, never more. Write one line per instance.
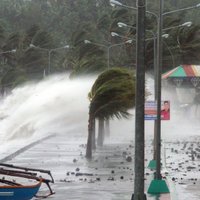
(60, 105)
(54, 105)
(184, 120)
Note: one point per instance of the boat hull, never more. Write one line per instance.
(18, 192)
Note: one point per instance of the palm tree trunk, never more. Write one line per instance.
(89, 140)
(100, 138)
(107, 127)
(94, 134)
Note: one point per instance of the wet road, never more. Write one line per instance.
(108, 176)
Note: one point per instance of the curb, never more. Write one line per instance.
(16, 153)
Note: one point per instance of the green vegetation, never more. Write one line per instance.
(112, 95)
(50, 24)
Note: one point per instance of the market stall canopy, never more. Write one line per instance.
(185, 79)
(183, 71)
(184, 74)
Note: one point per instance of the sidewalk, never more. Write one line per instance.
(108, 176)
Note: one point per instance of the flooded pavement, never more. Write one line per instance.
(183, 165)
(109, 175)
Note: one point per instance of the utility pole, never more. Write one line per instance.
(159, 186)
(139, 108)
(159, 87)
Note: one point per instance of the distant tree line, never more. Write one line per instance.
(50, 24)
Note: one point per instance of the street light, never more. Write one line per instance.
(117, 3)
(107, 47)
(114, 34)
(181, 9)
(9, 51)
(158, 178)
(4, 52)
(158, 83)
(121, 24)
(153, 38)
(159, 21)
(49, 53)
(188, 24)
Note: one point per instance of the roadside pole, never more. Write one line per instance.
(139, 108)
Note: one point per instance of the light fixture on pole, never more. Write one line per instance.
(114, 34)
(182, 9)
(107, 47)
(9, 51)
(5, 52)
(49, 53)
(101, 45)
(120, 24)
(187, 24)
(117, 3)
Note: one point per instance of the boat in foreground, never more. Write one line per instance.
(19, 190)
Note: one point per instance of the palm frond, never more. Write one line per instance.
(113, 93)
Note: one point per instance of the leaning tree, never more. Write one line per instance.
(112, 95)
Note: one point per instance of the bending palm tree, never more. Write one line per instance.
(112, 94)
